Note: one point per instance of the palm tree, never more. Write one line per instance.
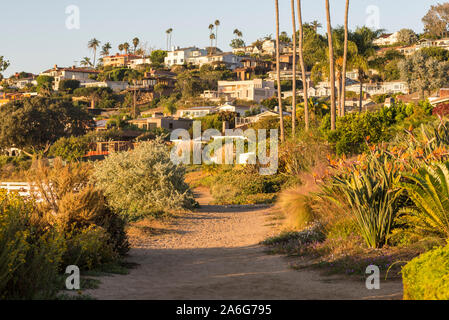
(316, 25)
(126, 47)
(93, 45)
(238, 33)
(294, 70)
(211, 31)
(120, 47)
(217, 24)
(331, 66)
(136, 42)
(345, 61)
(86, 62)
(106, 49)
(212, 38)
(278, 72)
(303, 67)
(169, 32)
(363, 38)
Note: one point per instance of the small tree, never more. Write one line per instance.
(424, 73)
(144, 181)
(4, 64)
(45, 84)
(407, 37)
(69, 85)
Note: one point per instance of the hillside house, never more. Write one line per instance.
(120, 60)
(181, 56)
(387, 39)
(162, 122)
(83, 75)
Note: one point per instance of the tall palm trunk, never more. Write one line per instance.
(331, 66)
(95, 56)
(294, 71)
(339, 83)
(278, 73)
(345, 62)
(303, 67)
(361, 92)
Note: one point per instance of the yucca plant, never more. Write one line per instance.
(372, 196)
(428, 188)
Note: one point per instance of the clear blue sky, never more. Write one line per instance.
(34, 36)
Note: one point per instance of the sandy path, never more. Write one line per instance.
(214, 254)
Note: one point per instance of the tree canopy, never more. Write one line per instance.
(34, 123)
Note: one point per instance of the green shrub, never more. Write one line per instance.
(88, 248)
(243, 185)
(30, 255)
(427, 276)
(144, 181)
(354, 129)
(70, 149)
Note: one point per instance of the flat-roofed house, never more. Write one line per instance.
(180, 56)
(250, 90)
(167, 123)
(229, 59)
(196, 112)
(119, 60)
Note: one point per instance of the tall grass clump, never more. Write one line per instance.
(296, 206)
(371, 193)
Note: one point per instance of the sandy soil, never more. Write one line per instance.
(214, 254)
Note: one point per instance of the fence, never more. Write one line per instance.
(23, 188)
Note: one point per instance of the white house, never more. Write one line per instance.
(381, 88)
(135, 63)
(180, 56)
(250, 90)
(228, 58)
(440, 43)
(83, 75)
(240, 110)
(322, 89)
(269, 47)
(387, 39)
(247, 50)
(196, 112)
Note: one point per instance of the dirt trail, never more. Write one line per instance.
(214, 254)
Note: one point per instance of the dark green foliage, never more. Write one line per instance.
(68, 86)
(355, 129)
(36, 122)
(70, 149)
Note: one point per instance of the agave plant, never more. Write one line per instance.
(372, 195)
(429, 191)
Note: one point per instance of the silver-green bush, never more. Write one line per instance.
(143, 181)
